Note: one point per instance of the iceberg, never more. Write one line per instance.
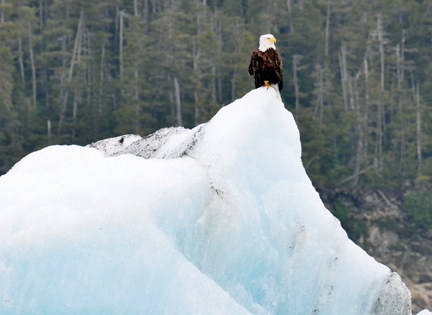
(219, 219)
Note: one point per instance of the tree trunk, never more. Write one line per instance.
(136, 96)
(219, 81)
(320, 94)
(381, 48)
(213, 81)
(32, 63)
(101, 78)
(40, 14)
(359, 144)
(121, 44)
(347, 79)
(77, 46)
(362, 123)
(418, 128)
(112, 89)
(116, 23)
(400, 78)
(75, 53)
(197, 111)
(343, 82)
(321, 85)
(146, 15)
(296, 59)
(46, 8)
(290, 16)
(89, 64)
(367, 99)
(74, 115)
(380, 111)
(400, 75)
(135, 8)
(233, 84)
(49, 130)
(197, 76)
(20, 59)
(2, 16)
(301, 5)
(177, 102)
(327, 30)
(45, 80)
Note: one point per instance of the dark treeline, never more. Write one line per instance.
(357, 76)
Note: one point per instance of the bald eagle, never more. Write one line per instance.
(266, 64)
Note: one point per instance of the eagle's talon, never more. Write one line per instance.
(267, 84)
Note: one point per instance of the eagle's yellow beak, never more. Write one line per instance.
(273, 39)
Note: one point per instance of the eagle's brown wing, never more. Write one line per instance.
(279, 70)
(254, 69)
(251, 69)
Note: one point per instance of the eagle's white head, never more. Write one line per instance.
(267, 41)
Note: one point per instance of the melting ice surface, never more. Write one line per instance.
(220, 219)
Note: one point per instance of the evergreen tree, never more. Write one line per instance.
(356, 76)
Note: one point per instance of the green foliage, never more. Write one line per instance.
(341, 211)
(354, 228)
(419, 208)
(103, 68)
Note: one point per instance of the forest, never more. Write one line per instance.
(357, 77)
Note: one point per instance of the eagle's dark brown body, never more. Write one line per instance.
(266, 66)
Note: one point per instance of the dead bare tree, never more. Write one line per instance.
(418, 128)
(135, 7)
(74, 114)
(234, 75)
(197, 75)
(136, 96)
(362, 108)
(327, 30)
(296, 68)
(80, 39)
(49, 130)
(145, 14)
(347, 89)
(380, 110)
(32, 62)
(301, 4)
(233, 84)
(101, 78)
(320, 94)
(343, 82)
(290, 16)
(399, 78)
(177, 102)
(75, 54)
(122, 16)
(20, 59)
(215, 76)
(2, 16)
(366, 95)
(360, 136)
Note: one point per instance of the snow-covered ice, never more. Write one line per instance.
(220, 219)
